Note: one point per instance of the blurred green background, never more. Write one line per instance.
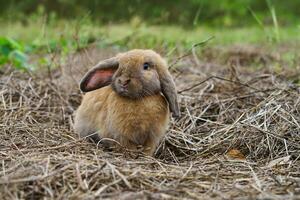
(178, 12)
(64, 26)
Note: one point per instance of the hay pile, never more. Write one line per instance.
(238, 137)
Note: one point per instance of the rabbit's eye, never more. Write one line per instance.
(146, 66)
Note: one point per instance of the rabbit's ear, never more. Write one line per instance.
(100, 75)
(168, 89)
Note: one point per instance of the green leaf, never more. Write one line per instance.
(8, 44)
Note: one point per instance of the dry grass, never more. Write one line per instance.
(238, 137)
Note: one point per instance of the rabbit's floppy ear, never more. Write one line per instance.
(168, 89)
(100, 75)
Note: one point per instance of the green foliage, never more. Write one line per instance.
(13, 52)
(184, 13)
(44, 31)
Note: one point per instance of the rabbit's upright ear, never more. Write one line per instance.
(100, 75)
(169, 90)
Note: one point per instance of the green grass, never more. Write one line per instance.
(76, 34)
(65, 37)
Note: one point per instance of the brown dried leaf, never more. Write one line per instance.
(235, 154)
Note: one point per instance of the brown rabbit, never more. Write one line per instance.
(127, 100)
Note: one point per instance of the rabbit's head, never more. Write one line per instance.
(134, 74)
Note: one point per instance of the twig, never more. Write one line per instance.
(189, 51)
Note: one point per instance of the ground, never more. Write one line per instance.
(238, 136)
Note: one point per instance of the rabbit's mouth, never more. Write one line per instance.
(124, 91)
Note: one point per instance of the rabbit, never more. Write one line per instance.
(128, 98)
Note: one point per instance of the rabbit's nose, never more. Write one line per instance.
(124, 81)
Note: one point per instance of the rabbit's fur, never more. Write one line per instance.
(127, 100)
